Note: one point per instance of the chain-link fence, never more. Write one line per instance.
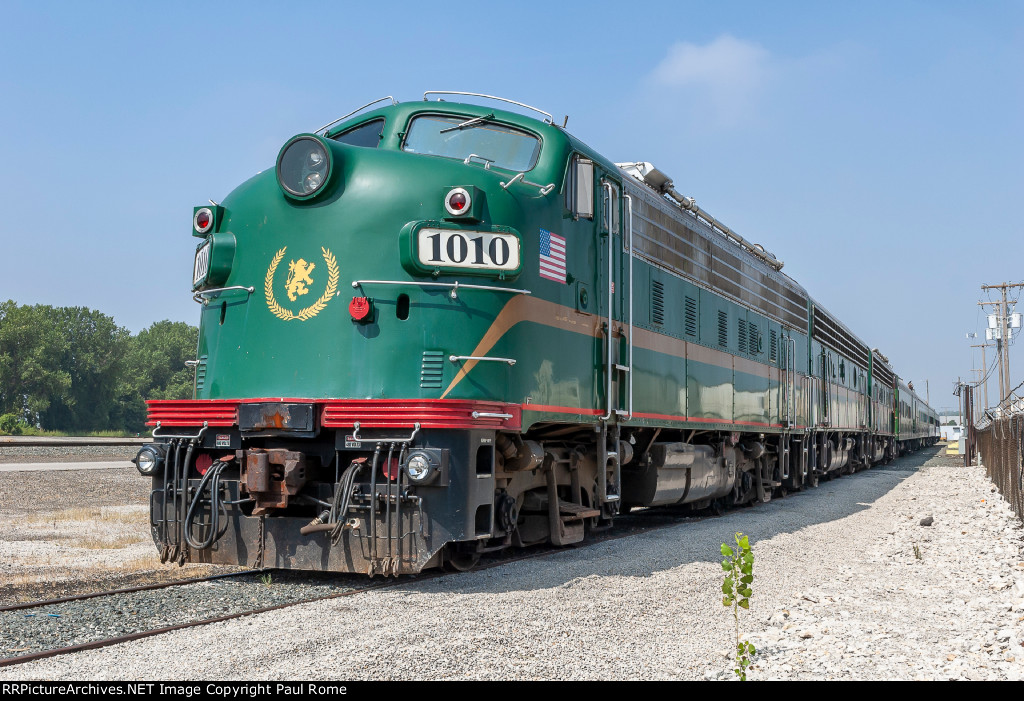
(1001, 448)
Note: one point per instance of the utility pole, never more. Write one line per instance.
(999, 350)
(981, 374)
(960, 399)
(970, 437)
(1001, 342)
(984, 370)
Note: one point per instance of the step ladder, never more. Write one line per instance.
(567, 511)
(609, 477)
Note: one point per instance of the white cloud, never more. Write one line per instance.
(729, 72)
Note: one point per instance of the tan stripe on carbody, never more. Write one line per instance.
(527, 308)
(751, 367)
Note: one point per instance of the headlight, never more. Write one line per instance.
(303, 166)
(421, 468)
(150, 460)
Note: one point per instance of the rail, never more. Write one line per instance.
(327, 126)
(70, 441)
(549, 120)
(202, 296)
(453, 286)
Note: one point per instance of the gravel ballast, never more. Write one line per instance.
(849, 585)
(27, 631)
(65, 532)
(41, 453)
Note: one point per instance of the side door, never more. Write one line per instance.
(578, 239)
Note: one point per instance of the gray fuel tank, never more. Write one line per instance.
(677, 473)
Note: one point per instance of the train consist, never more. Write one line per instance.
(439, 329)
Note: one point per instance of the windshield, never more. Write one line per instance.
(462, 137)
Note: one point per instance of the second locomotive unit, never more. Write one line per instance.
(439, 329)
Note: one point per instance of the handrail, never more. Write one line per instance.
(391, 439)
(790, 380)
(490, 415)
(188, 437)
(550, 119)
(201, 295)
(459, 358)
(611, 286)
(544, 189)
(517, 176)
(454, 286)
(331, 124)
(629, 201)
(487, 161)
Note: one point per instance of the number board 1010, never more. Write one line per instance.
(481, 250)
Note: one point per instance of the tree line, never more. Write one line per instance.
(74, 369)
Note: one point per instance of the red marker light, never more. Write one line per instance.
(457, 201)
(203, 220)
(203, 462)
(359, 308)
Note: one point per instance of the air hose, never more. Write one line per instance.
(342, 497)
(211, 478)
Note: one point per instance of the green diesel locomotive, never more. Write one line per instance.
(439, 329)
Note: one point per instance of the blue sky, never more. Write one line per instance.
(875, 147)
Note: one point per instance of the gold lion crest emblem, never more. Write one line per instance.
(298, 283)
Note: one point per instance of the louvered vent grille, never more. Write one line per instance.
(657, 302)
(723, 329)
(773, 348)
(830, 333)
(677, 239)
(431, 369)
(755, 339)
(743, 335)
(881, 372)
(691, 316)
(201, 373)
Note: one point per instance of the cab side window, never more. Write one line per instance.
(579, 187)
(366, 135)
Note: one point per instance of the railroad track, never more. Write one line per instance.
(70, 441)
(101, 619)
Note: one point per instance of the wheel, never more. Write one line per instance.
(460, 559)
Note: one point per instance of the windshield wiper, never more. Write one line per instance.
(468, 123)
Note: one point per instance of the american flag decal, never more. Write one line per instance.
(552, 256)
